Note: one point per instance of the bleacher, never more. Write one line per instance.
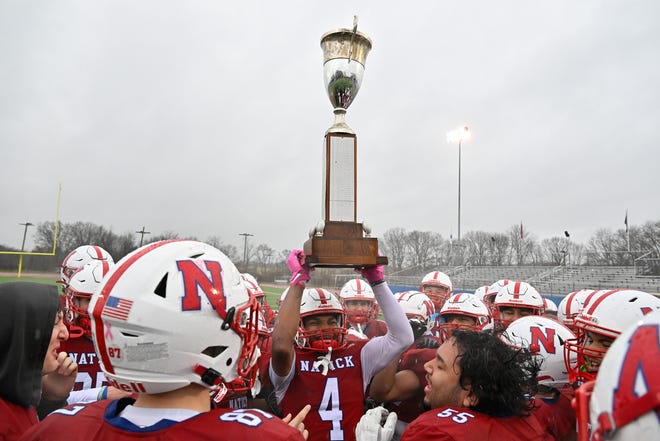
(550, 280)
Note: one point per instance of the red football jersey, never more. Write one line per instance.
(558, 417)
(413, 359)
(462, 424)
(375, 328)
(99, 421)
(15, 419)
(81, 351)
(337, 398)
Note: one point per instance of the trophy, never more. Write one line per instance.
(339, 240)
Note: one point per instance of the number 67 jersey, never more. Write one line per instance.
(101, 421)
(464, 424)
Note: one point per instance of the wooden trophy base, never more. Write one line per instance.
(342, 245)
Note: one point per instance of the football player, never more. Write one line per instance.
(91, 384)
(604, 316)
(361, 308)
(171, 322)
(476, 388)
(313, 361)
(545, 339)
(622, 403)
(515, 300)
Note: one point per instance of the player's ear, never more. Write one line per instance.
(470, 399)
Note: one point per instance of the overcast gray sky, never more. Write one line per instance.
(207, 118)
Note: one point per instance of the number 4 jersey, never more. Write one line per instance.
(337, 398)
(462, 424)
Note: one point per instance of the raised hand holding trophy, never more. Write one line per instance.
(339, 241)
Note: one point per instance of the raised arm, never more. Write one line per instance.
(285, 329)
(381, 351)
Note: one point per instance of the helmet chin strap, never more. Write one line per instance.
(76, 331)
(323, 361)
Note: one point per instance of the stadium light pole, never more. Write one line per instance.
(245, 236)
(27, 224)
(20, 258)
(458, 135)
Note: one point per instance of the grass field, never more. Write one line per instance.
(48, 280)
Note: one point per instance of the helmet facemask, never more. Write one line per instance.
(363, 314)
(321, 338)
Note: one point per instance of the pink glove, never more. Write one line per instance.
(372, 273)
(299, 271)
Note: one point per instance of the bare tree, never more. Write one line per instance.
(420, 244)
(263, 254)
(123, 245)
(647, 239)
(499, 246)
(228, 250)
(441, 253)
(555, 249)
(167, 235)
(522, 244)
(601, 247)
(477, 245)
(394, 244)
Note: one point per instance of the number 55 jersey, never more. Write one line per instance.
(463, 424)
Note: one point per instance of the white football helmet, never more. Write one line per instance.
(418, 308)
(481, 292)
(77, 258)
(625, 402)
(549, 305)
(608, 314)
(81, 286)
(432, 284)
(498, 285)
(251, 284)
(173, 313)
(358, 290)
(490, 294)
(463, 304)
(318, 301)
(545, 338)
(571, 305)
(282, 297)
(520, 295)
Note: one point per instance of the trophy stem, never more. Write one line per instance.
(340, 125)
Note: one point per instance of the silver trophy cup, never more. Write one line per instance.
(344, 55)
